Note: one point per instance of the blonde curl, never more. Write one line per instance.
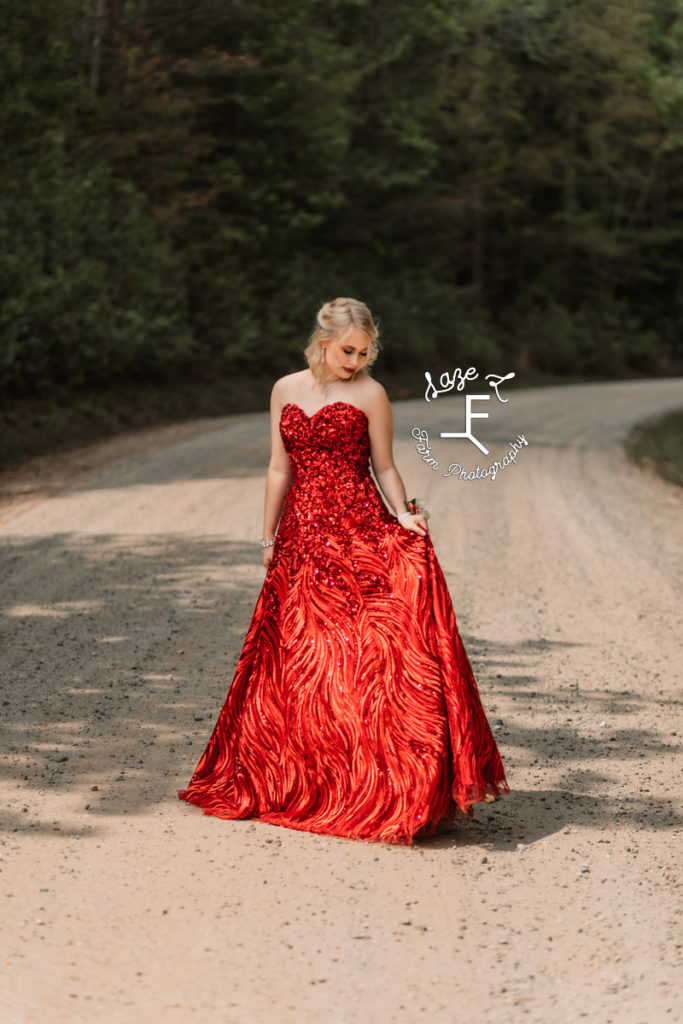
(336, 319)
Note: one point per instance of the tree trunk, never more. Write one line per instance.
(96, 52)
(477, 170)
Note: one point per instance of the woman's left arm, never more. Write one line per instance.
(381, 431)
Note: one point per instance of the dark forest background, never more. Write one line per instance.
(183, 184)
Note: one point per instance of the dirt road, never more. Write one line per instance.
(129, 574)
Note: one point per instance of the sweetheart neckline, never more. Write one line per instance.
(326, 406)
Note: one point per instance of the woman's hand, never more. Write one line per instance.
(267, 556)
(417, 523)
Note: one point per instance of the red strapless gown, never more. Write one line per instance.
(353, 710)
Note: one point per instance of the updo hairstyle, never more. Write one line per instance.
(336, 318)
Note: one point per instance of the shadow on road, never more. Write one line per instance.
(117, 654)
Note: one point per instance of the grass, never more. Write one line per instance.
(70, 419)
(659, 445)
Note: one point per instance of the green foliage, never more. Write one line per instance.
(591, 341)
(183, 185)
(659, 445)
(90, 290)
(85, 278)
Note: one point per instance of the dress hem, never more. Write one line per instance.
(494, 791)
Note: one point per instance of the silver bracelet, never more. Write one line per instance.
(402, 514)
(268, 542)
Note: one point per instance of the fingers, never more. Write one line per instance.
(421, 523)
(418, 525)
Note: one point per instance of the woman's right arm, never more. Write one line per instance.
(278, 476)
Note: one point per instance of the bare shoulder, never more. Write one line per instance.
(372, 396)
(287, 387)
(290, 380)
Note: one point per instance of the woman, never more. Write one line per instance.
(353, 710)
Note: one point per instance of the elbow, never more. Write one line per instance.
(280, 473)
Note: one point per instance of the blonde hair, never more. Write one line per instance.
(339, 317)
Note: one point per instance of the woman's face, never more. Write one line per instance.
(345, 355)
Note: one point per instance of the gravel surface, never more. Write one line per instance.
(129, 574)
